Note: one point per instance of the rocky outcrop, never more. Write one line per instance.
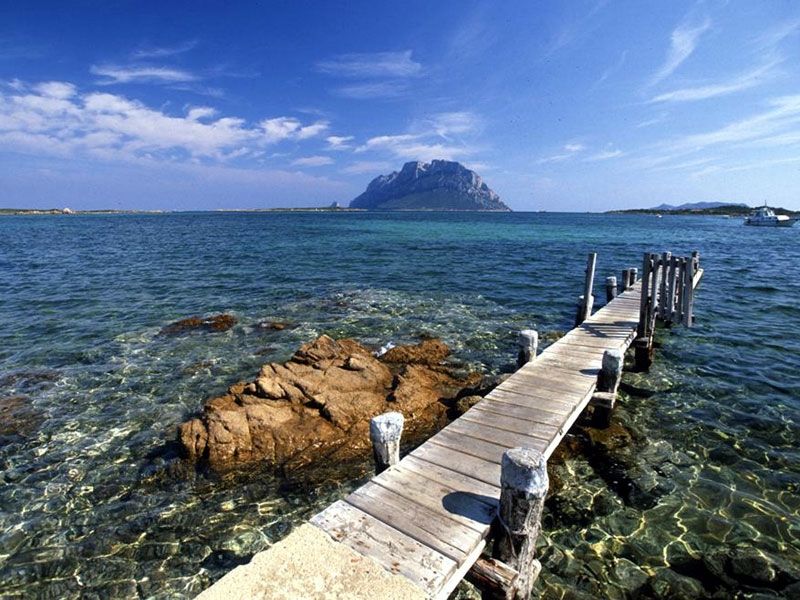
(319, 404)
(438, 185)
(214, 323)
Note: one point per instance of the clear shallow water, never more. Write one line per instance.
(714, 468)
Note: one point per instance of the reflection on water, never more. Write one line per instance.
(701, 499)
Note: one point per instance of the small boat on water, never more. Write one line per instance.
(764, 216)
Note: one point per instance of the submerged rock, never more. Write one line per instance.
(320, 402)
(18, 418)
(221, 322)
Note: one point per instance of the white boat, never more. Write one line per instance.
(764, 216)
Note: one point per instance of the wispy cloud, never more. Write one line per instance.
(569, 150)
(113, 74)
(430, 137)
(604, 155)
(683, 41)
(740, 82)
(611, 70)
(372, 89)
(369, 65)
(367, 166)
(312, 161)
(339, 142)
(575, 29)
(147, 52)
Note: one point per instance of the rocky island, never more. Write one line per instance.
(438, 185)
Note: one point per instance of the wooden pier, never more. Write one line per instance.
(428, 517)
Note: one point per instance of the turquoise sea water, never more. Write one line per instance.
(705, 501)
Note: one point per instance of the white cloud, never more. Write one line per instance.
(56, 89)
(368, 65)
(200, 112)
(568, 151)
(415, 147)
(54, 118)
(683, 42)
(372, 89)
(452, 123)
(367, 166)
(162, 51)
(282, 128)
(114, 74)
(604, 155)
(741, 82)
(312, 161)
(339, 142)
(784, 113)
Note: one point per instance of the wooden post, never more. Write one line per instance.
(528, 342)
(669, 314)
(605, 395)
(663, 301)
(588, 285)
(580, 309)
(523, 487)
(626, 273)
(634, 276)
(611, 288)
(688, 317)
(611, 372)
(641, 344)
(680, 285)
(385, 431)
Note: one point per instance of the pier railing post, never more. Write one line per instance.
(586, 302)
(642, 346)
(608, 380)
(663, 302)
(528, 342)
(385, 431)
(523, 487)
(611, 288)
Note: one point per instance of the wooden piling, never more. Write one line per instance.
(605, 395)
(611, 288)
(591, 262)
(688, 317)
(528, 343)
(666, 258)
(523, 487)
(669, 309)
(642, 343)
(385, 431)
(634, 276)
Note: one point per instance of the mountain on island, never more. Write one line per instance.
(694, 206)
(437, 185)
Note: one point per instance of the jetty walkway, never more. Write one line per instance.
(426, 518)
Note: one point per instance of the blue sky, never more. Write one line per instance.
(558, 105)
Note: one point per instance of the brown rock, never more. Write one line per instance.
(429, 352)
(18, 416)
(214, 323)
(320, 402)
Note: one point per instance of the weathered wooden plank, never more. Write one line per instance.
(396, 552)
(414, 520)
(504, 422)
(551, 382)
(474, 467)
(501, 437)
(487, 450)
(454, 479)
(471, 510)
(528, 413)
(540, 400)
